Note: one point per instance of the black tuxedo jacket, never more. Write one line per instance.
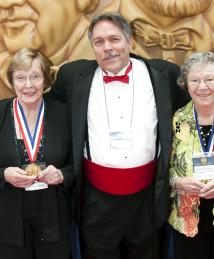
(73, 86)
(56, 152)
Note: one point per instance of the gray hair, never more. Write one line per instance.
(196, 58)
(23, 60)
(114, 17)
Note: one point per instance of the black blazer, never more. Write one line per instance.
(73, 86)
(57, 153)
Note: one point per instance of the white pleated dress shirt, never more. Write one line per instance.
(122, 119)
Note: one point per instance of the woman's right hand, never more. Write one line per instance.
(188, 185)
(18, 177)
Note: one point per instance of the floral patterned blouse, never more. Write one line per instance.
(184, 216)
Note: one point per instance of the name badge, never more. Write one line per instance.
(121, 140)
(35, 169)
(36, 186)
(203, 166)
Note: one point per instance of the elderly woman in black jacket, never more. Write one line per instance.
(35, 165)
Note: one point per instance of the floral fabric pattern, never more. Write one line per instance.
(188, 210)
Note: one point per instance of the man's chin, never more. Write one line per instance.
(113, 68)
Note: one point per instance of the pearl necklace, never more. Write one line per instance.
(205, 135)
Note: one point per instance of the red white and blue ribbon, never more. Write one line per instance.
(31, 142)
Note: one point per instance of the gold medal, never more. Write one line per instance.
(205, 181)
(33, 170)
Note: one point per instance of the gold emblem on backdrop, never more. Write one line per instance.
(159, 30)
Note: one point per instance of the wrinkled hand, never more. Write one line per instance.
(189, 185)
(51, 175)
(208, 191)
(18, 177)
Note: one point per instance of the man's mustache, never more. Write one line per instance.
(110, 55)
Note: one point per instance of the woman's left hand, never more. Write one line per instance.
(208, 191)
(51, 175)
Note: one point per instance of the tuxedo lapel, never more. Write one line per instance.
(161, 88)
(79, 108)
(164, 108)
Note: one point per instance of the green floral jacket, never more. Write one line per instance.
(184, 215)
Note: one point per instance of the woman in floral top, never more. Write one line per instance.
(192, 162)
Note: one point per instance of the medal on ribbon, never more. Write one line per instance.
(31, 142)
(203, 163)
(33, 169)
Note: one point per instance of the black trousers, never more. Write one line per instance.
(34, 247)
(199, 247)
(118, 226)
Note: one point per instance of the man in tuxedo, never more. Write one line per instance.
(121, 107)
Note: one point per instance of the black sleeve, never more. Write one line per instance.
(57, 90)
(180, 97)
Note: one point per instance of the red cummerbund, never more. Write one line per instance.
(120, 181)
